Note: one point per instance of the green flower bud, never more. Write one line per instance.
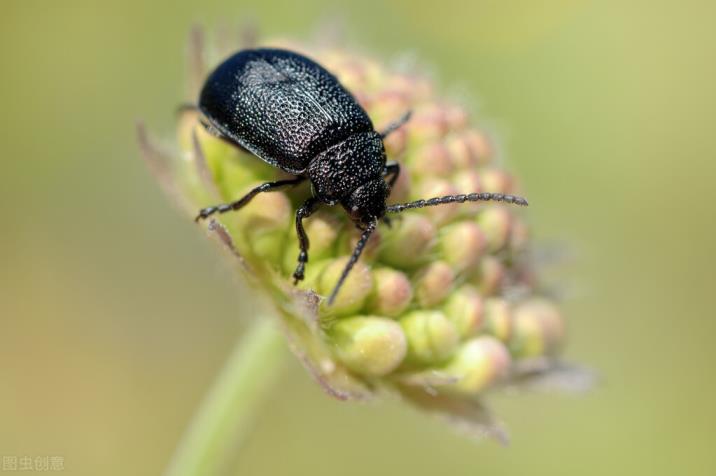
(465, 309)
(538, 329)
(391, 294)
(407, 243)
(461, 245)
(372, 346)
(477, 364)
(355, 290)
(495, 223)
(432, 338)
(498, 318)
(434, 283)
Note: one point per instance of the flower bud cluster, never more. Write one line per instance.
(428, 304)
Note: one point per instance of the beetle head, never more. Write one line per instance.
(366, 204)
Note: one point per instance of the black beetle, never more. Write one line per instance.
(292, 113)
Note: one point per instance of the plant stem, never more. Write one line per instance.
(227, 412)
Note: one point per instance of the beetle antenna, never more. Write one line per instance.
(354, 258)
(462, 198)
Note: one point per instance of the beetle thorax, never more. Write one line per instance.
(341, 169)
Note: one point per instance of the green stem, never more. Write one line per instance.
(227, 412)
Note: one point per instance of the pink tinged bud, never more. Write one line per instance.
(477, 364)
(479, 145)
(354, 292)
(391, 294)
(428, 124)
(351, 74)
(432, 338)
(407, 244)
(519, 235)
(461, 154)
(498, 319)
(465, 309)
(538, 329)
(417, 88)
(387, 106)
(462, 244)
(371, 346)
(401, 189)
(468, 181)
(456, 117)
(490, 276)
(395, 143)
(496, 223)
(433, 284)
(436, 187)
(432, 160)
(496, 180)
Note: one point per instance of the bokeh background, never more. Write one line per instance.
(116, 313)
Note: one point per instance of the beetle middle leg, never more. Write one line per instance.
(304, 211)
(264, 187)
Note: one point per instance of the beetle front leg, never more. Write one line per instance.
(264, 187)
(392, 169)
(304, 211)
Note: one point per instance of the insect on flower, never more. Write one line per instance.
(293, 114)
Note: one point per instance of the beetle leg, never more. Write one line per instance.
(304, 211)
(265, 187)
(392, 169)
(393, 126)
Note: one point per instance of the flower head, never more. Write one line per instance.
(441, 306)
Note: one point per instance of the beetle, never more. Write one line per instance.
(293, 114)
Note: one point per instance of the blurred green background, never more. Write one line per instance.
(117, 313)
